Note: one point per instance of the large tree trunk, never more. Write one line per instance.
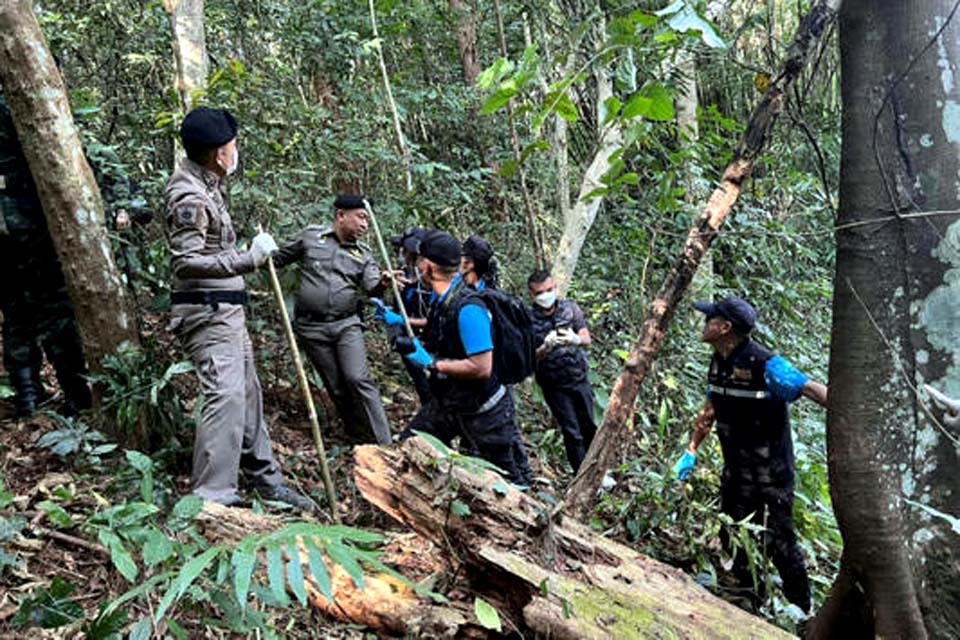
(551, 578)
(890, 458)
(466, 40)
(616, 426)
(70, 196)
(189, 49)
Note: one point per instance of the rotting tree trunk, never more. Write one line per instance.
(535, 568)
(580, 216)
(616, 426)
(891, 460)
(71, 199)
(189, 49)
(466, 40)
(384, 604)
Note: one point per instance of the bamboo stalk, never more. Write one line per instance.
(386, 261)
(305, 387)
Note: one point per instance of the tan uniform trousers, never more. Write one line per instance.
(232, 434)
(337, 352)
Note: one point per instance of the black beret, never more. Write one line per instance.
(478, 249)
(441, 247)
(346, 201)
(208, 127)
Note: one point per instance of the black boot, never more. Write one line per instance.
(66, 355)
(29, 393)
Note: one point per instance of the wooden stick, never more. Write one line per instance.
(386, 259)
(305, 387)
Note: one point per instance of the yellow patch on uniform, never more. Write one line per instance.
(742, 374)
(356, 254)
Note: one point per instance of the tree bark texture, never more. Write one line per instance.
(189, 49)
(897, 314)
(553, 578)
(579, 217)
(616, 427)
(385, 604)
(71, 199)
(466, 40)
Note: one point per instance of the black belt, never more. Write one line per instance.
(313, 316)
(213, 298)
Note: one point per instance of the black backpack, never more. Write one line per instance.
(514, 352)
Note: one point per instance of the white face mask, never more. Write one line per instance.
(233, 164)
(546, 300)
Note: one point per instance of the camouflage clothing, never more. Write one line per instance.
(37, 313)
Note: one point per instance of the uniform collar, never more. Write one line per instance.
(735, 353)
(208, 177)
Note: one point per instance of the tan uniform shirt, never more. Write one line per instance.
(203, 244)
(334, 276)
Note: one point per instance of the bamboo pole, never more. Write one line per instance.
(386, 261)
(305, 387)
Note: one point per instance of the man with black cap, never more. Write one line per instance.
(478, 265)
(337, 272)
(468, 399)
(747, 395)
(415, 298)
(209, 319)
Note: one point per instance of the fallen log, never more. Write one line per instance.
(556, 577)
(385, 604)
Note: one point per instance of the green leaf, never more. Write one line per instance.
(653, 102)
(295, 573)
(609, 109)
(499, 99)
(487, 616)
(244, 561)
(56, 514)
(139, 461)
(625, 75)
(346, 558)
(188, 574)
(434, 442)
(50, 608)
(493, 74)
(687, 20)
(318, 569)
(501, 488)
(123, 561)
(142, 630)
(157, 547)
(278, 586)
(188, 507)
(459, 509)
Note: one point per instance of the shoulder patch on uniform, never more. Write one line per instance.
(188, 213)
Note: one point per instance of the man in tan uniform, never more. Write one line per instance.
(209, 319)
(336, 273)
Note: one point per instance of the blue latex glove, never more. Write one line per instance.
(684, 466)
(390, 317)
(419, 355)
(783, 380)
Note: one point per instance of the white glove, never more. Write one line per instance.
(551, 340)
(568, 337)
(262, 247)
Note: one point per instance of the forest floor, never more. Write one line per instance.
(31, 558)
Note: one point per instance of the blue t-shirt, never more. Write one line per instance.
(475, 329)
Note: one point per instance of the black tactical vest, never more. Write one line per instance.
(442, 339)
(564, 366)
(753, 424)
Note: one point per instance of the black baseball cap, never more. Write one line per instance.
(737, 310)
(410, 240)
(441, 247)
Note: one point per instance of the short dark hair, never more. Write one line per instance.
(199, 153)
(538, 276)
